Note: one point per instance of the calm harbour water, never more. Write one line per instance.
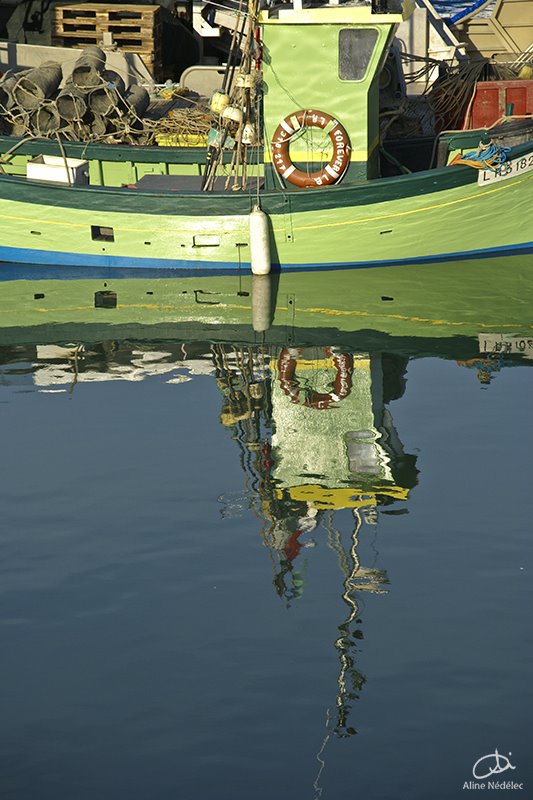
(220, 582)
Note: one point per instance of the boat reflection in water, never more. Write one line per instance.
(315, 437)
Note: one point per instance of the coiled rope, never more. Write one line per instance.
(487, 156)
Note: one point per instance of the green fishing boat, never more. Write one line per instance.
(290, 185)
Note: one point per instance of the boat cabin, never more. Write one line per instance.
(328, 59)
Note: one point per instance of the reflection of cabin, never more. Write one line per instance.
(504, 34)
(345, 453)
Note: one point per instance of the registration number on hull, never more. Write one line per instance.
(510, 169)
(503, 343)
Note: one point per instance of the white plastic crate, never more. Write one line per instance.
(53, 168)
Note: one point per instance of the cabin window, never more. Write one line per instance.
(356, 46)
(101, 233)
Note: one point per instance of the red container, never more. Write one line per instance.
(492, 99)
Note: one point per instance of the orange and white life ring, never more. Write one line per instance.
(342, 384)
(289, 128)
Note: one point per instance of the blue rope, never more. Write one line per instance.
(492, 156)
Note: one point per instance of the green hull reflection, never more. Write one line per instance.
(427, 301)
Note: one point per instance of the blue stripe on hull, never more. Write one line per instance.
(53, 258)
(25, 264)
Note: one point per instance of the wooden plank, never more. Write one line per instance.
(102, 8)
(154, 42)
(95, 21)
(103, 19)
(80, 43)
(71, 40)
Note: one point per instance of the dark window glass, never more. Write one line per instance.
(356, 46)
(99, 233)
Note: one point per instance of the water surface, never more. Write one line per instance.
(235, 572)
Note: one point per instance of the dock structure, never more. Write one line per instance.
(504, 34)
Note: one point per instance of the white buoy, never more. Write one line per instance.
(248, 134)
(232, 113)
(261, 303)
(259, 242)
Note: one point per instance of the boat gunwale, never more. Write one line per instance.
(456, 176)
(225, 203)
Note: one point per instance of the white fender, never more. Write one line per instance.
(259, 242)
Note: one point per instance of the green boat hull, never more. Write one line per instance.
(430, 216)
(429, 254)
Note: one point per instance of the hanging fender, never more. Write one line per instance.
(293, 125)
(342, 384)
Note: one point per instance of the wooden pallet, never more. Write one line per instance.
(135, 29)
(99, 18)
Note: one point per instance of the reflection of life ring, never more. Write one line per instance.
(290, 127)
(342, 384)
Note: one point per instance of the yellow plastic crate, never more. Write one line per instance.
(181, 140)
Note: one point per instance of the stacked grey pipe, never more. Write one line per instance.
(92, 104)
